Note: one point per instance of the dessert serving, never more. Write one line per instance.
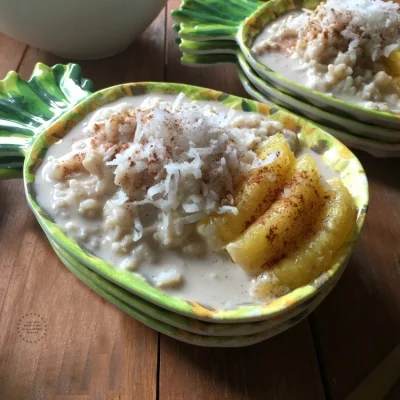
(345, 49)
(213, 205)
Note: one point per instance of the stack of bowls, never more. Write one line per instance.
(209, 33)
(41, 111)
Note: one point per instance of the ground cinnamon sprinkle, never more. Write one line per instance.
(76, 166)
(272, 235)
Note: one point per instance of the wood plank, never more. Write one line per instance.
(394, 394)
(90, 350)
(283, 367)
(359, 323)
(381, 380)
(11, 52)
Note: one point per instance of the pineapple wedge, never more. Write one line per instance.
(257, 191)
(393, 63)
(333, 228)
(268, 239)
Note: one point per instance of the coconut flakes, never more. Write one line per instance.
(184, 159)
(373, 26)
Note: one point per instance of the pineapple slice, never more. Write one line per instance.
(334, 227)
(273, 143)
(393, 63)
(257, 191)
(270, 236)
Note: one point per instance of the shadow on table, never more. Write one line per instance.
(353, 329)
(359, 322)
(283, 367)
(386, 171)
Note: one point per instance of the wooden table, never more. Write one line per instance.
(91, 350)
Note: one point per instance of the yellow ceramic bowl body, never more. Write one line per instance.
(182, 328)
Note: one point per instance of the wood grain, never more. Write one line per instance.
(91, 350)
(359, 323)
(11, 52)
(283, 368)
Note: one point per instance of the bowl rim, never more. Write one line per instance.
(246, 68)
(390, 135)
(254, 25)
(381, 148)
(343, 159)
(173, 331)
(191, 325)
(376, 149)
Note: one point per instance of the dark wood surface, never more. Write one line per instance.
(91, 350)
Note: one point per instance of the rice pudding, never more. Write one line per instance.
(145, 183)
(344, 48)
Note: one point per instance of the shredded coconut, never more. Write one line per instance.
(373, 26)
(183, 159)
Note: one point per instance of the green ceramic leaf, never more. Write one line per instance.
(29, 107)
(337, 156)
(11, 167)
(204, 19)
(209, 47)
(208, 59)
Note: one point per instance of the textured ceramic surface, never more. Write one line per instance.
(249, 28)
(122, 301)
(334, 153)
(185, 323)
(207, 47)
(28, 107)
(79, 29)
(319, 115)
(213, 19)
(374, 148)
(194, 53)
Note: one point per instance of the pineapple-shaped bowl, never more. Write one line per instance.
(38, 113)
